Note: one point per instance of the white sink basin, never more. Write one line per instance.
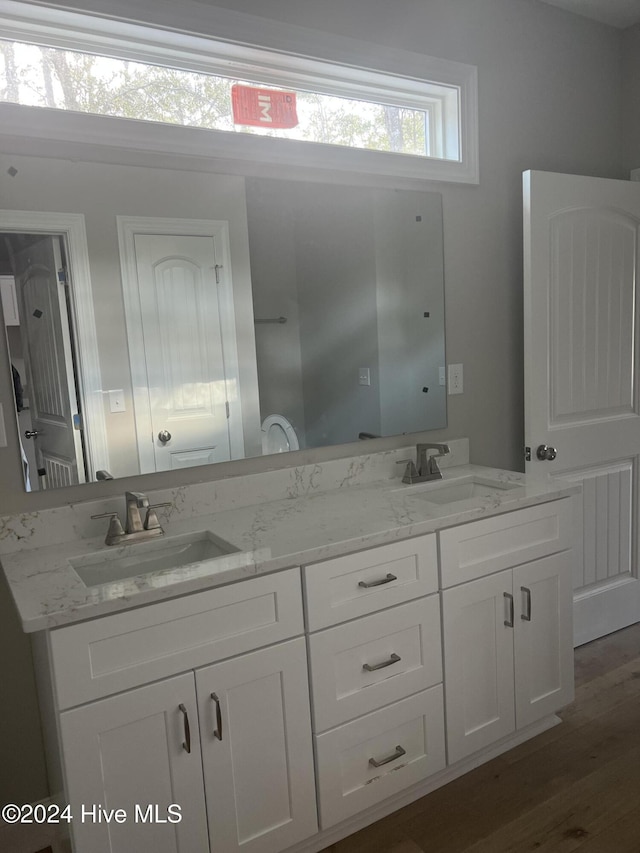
(170, 552)
(463, 489)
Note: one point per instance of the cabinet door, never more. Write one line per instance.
(478, 663)
(257, 750)
(129, 752)
(543, 637)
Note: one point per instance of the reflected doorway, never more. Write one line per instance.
(38, 320)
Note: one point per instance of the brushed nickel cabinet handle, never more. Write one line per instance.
(526, 616)
(369, 584)
(397, 754)
(187, 731)
(371, 667)
(509, 622)
(217, 732)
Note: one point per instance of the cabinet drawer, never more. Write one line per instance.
(412, 729)
(479, 548)
(113, 653)
(358, 584)
(376, 660)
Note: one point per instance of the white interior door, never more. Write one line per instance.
(46, 337)
(581, 376)
(189, 368)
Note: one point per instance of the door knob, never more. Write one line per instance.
(164, 436)
(545, 453)
(31, 433)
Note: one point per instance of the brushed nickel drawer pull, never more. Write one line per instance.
(369, 584)
(187, 732)
(397, 754)
(371, 667)
(509, 622)
(526, 616)
(217, 732)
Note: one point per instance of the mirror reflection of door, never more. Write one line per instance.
(41, 344)
(189, 368)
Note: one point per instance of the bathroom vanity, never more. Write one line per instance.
(363, 644)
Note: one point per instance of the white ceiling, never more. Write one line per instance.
(618, 13)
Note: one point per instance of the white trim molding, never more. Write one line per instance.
(71, 227)
(223, 42)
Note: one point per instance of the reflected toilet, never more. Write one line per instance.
(278, 436)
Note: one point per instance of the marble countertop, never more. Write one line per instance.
(270, 536)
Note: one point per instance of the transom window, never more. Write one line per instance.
(198, 82)
(62, 79)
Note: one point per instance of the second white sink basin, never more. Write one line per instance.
(170, 552)
(463, 489)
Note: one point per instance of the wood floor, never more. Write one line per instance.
(573, 788)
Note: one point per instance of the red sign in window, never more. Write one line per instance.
(263, 107)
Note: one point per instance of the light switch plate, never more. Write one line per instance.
(456, 385)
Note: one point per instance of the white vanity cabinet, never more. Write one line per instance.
(371, 679)
(376, 679)
(243, 720)
(508, 655)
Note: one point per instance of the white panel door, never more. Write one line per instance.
(478, 663)
(46, 337)
(130, 750)
(581, 376)
(543, 637)
(257, 750)
(183, 349)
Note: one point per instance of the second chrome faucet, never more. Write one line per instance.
(426, 466)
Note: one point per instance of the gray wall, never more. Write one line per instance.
(551, 90)
(631, 97)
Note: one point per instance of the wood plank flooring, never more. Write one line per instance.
(573, 788)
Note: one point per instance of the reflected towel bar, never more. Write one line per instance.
(272, 320)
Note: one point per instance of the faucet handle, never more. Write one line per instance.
(151, 519)
(411, 472)
(115, 530)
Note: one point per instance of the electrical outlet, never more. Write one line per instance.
(364, 376)
(455, 379)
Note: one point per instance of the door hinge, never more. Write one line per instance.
(217, 269)
(62, 276)
(77, 422)
(227, 408)
(527, 454)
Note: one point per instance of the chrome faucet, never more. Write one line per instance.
(136, 530)
(135, 502)
(426, 467)
(428, 464)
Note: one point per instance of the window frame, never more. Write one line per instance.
(403, 79)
